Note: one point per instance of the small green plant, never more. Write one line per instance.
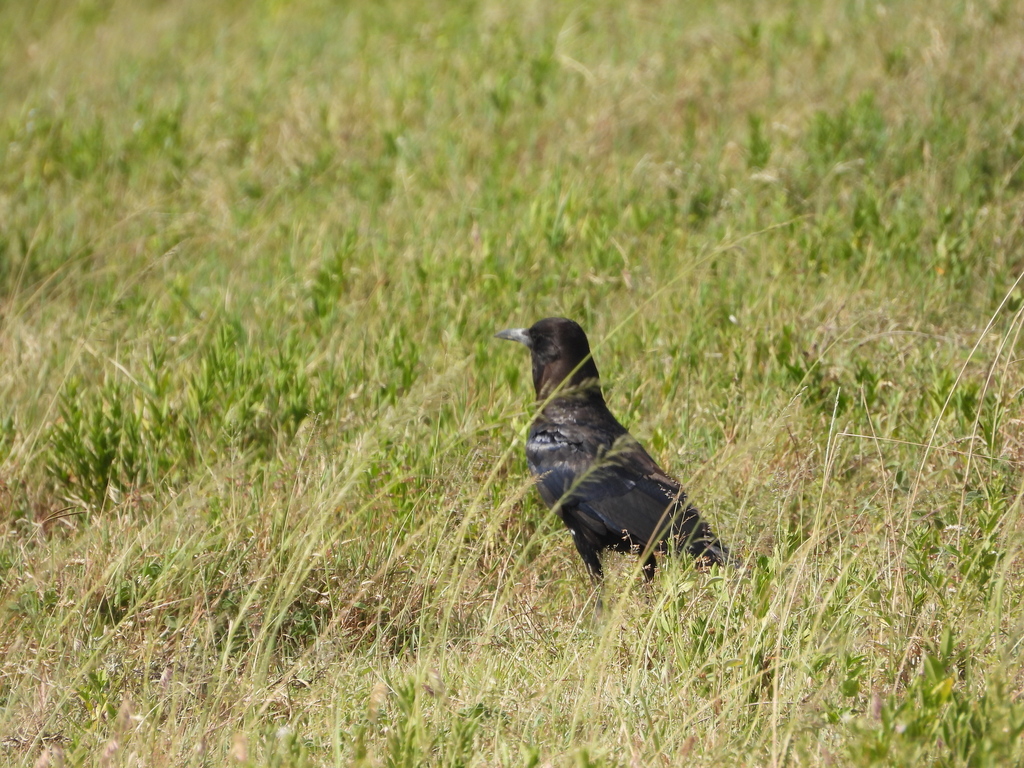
(330, 281)
(759, 148)
(937, 717)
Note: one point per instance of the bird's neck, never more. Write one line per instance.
(574, 395)
(561, 379)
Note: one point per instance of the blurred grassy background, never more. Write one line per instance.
(262, 490)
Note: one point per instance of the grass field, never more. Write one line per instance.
(263, 498)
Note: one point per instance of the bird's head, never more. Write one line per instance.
(560, 353)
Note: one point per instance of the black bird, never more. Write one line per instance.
(597, 478)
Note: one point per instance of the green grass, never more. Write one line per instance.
(263, 499)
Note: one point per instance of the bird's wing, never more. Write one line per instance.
(615, 483)
(630, 495)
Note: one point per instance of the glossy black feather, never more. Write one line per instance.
(600, 481)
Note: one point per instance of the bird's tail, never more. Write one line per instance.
(713, 550)
(700, 542)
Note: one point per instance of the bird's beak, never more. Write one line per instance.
(522, 335)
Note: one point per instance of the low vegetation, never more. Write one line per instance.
(263, 499)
